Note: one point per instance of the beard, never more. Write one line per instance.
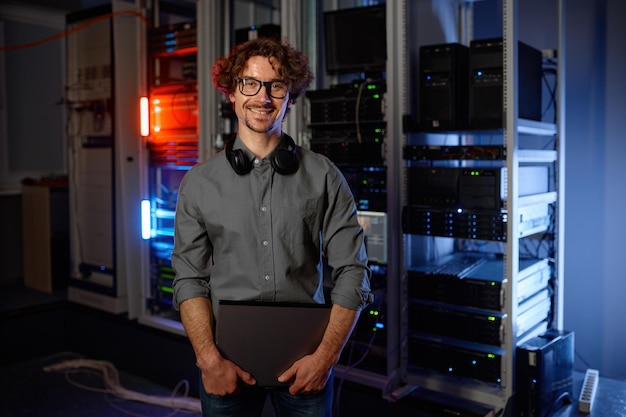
(258, 129)
(260, 125)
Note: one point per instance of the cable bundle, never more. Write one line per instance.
(112, 384)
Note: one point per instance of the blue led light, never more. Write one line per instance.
(146, 219)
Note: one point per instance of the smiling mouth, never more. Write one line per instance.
(261, 111)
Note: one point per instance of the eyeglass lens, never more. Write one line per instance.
(251, 87)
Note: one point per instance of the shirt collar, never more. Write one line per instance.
(240, 145)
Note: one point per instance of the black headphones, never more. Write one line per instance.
(284, 159)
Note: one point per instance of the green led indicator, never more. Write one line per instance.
(491, 356)
(378, 130)
(493, 284)
(167, 289)
(491, 318)
(371, 87)
(376, 96)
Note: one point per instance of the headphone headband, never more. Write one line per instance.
(283, 159)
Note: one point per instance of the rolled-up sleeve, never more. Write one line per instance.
(344, 246)
(191, 257)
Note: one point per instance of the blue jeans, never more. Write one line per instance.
(250, 400)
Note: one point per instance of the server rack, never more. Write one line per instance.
(357, 123)
(172, 147)
(467, 262)
(185, 126)
(348, 123)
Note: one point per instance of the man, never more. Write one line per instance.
(253, 222)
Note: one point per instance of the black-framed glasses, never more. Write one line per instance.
(251, 87)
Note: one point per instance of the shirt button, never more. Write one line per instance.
(256, 160)
(263, 208)
(265, 243)
(267, 277)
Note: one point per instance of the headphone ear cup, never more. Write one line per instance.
(284, 160)
(240, 162)
(237, 159)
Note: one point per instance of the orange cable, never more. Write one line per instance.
(75, 29)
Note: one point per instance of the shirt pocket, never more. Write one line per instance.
(299, 221)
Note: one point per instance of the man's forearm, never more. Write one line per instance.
(340, 326)
(197, 318)
(219, 376)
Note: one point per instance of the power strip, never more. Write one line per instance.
(588, 391)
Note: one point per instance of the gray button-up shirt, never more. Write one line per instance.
(261, 236)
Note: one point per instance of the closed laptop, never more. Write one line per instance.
(266, 338)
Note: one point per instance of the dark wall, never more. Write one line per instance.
(11, 240)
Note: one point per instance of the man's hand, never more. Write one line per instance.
(307, 375)
(221, 376)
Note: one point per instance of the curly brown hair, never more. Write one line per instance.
(293, 65)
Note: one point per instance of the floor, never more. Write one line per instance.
(39, 330)
(28, 390)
